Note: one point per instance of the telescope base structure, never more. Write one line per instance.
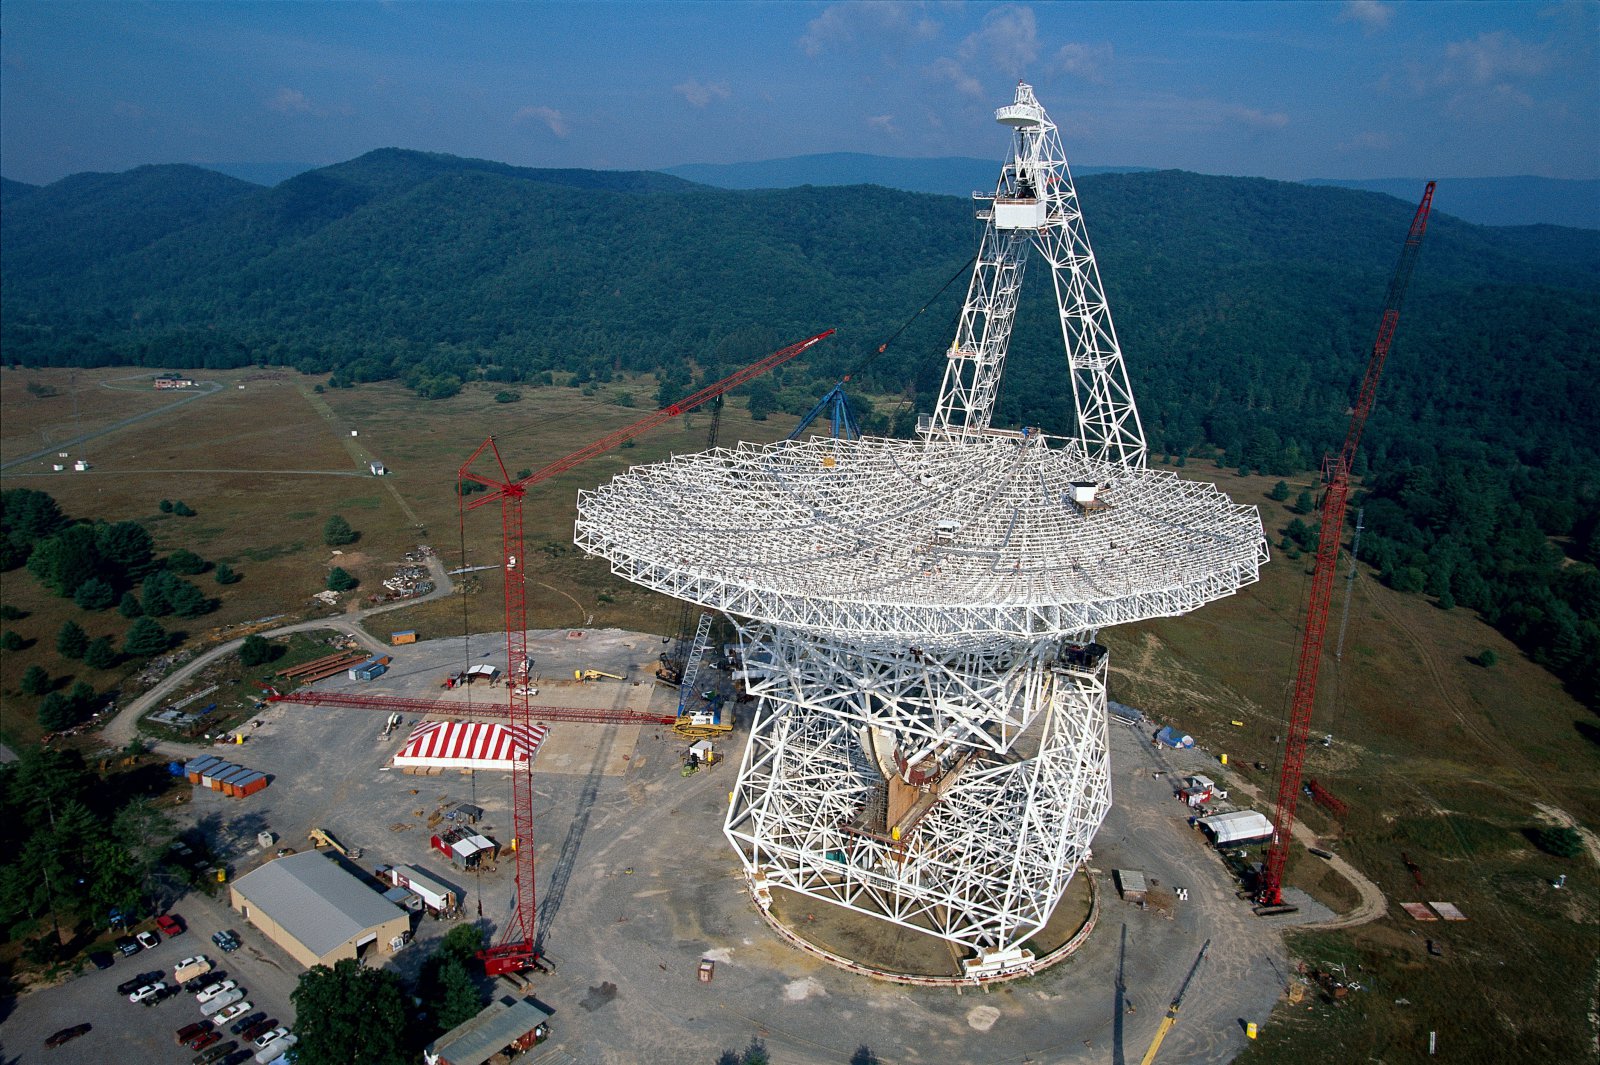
(972, 837)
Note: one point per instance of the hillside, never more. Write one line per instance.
(1247, 308)
(1500, 201)
(944, 176)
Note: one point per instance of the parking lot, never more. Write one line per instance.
(125, 1032)
(636, 885)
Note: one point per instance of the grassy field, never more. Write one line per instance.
(265, 461)
(1442, 762)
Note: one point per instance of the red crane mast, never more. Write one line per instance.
(518, 948)
(1336, 473)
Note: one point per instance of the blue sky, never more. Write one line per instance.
(1359, 90)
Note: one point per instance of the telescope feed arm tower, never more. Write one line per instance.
(1035, 203)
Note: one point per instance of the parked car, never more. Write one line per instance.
(251, 1021)
(264, 1038)
(216, 1053)
(211, 991)
(233, 1012)
(128, 946)
(101, 960)
(167, 991)
(227, 941)
(127, 987)
(170, 925)
(204, 1040)
(239, 1057)
(66, 1035)
(148, 991)
(259, 1027)
(204, 980)
(148, 940)
(189, 1031)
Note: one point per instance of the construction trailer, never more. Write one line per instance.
(403, 636)
(1236, 828)
(434, 895)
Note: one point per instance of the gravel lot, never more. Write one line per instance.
(637, 885)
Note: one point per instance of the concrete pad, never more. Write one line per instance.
(573, 747)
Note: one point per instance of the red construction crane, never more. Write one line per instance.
(1336, 474)
(517, 950)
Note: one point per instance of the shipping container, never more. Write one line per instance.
(250, 784)
(404, 636)
(197, 766)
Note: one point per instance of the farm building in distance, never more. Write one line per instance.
(311, 907)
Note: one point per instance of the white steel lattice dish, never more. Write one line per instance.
(950, 544)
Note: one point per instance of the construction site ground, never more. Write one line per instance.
(637, 886)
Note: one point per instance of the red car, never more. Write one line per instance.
(205, 1039)
(189, 1031)
(169, 924)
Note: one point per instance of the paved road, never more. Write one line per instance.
(123, 728)
(211, 388)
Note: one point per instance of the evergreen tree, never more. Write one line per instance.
(1303, 503)
(166, 506)
(157, 598)
(35, 681)
(188, 601)
(225, 574)
(94, 594)
(65, 560)
(146, 638)
(56, 713)
(1279, 493)
(129, 606)
(71, 640)
(459, 999)
(126, 549)
(100, 654)
(340, 581)
(337, 532)
(185, 562)
(10, 641)
(182, 509)
(256, 651)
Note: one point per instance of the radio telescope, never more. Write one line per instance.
(917, 618)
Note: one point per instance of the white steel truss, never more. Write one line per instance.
(917, 617)
(1035, 202)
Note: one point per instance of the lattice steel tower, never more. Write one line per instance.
(917, 618)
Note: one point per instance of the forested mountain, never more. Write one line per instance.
(1246, 308)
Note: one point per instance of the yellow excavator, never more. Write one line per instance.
(593, 674)
(320, 838)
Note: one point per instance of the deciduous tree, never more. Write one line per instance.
(349, 1013)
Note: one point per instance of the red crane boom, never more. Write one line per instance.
(1336, 472)
(518, 948)
(441, 708)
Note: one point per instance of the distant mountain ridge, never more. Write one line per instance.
(1507, 201)
(1498, 201)
(946, 176)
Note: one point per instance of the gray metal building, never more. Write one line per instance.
(317, 911)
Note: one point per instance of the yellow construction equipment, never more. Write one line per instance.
(592, 674)
(1172, 1011)
(700, 726)
(319, 838)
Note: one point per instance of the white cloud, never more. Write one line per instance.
(950, 71)
(701, 93)
(1009, 39)
(1369, 14)
(1251, 118)
(1494, 58)
(882, 123)
(552, 118)
(1085, 61)
(291, 102)
(864, 22)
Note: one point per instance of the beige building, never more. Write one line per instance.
(311, 907)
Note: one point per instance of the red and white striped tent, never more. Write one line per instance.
(468, 745)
